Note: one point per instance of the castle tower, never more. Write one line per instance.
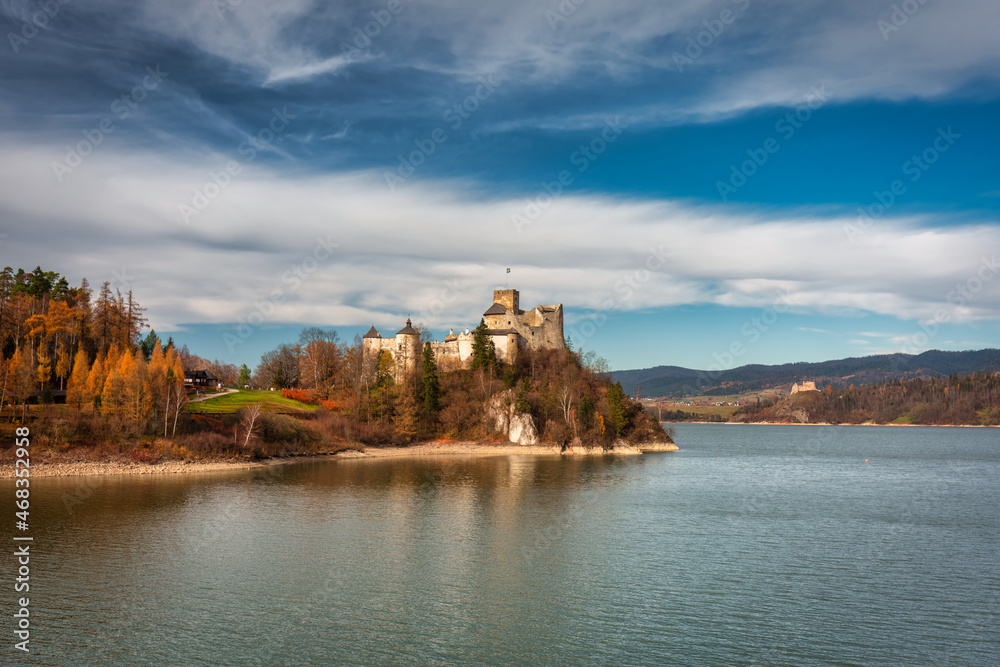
(508, 297)
(407, 350)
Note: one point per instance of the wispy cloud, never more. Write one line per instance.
(716, 256)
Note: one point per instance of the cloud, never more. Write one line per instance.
(822, 331)
(400, 251)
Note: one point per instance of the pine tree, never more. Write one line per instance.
(245, 375)
(431, 391)
(484, 354)
(618, 409)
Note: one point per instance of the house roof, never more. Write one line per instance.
(408, 330)
(496, 309)
(372, 333)
(199, 375)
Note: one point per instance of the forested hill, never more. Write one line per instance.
(674, 381)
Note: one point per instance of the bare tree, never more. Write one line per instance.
(249, 420)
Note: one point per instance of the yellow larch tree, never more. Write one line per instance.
(77, 388)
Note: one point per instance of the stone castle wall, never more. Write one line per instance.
(511, 329)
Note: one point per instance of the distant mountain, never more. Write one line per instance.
(674, 381)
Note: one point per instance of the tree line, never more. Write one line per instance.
(568, 393)
(970, 400)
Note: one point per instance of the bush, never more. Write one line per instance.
(300, 395)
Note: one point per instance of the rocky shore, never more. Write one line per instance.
(436, 448)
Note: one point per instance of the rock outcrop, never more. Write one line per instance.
(519, 427)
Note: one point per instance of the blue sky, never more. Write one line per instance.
(686, 179)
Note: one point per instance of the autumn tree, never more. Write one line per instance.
(320, 358)
(95, 382)
(20, 379)
(279, 368)
(76, 389)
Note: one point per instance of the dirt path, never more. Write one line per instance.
(208, 396)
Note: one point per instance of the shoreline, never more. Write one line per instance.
(424, 449)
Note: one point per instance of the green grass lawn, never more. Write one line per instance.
(235, 401)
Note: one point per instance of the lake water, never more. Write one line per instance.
(753, 545)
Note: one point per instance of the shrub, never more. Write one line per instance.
(300, 395)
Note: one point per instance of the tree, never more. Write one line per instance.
(585, 412)
(279, 368)
(484, 353)
(320, 358)
(244, 379)
(407, 412)
(250, 417)
(63, 364)
(20, 379)
(76, 390)
(95, 381)
(618, 409)
(148, 342)
(431, 391)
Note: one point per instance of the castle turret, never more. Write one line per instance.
(510, 298)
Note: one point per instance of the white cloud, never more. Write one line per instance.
(400, 251)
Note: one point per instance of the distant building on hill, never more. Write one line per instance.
(510, 328)
(805, 386)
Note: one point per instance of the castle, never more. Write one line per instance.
(510, 328)
(805, 386)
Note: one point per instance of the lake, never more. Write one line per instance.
(753, 545)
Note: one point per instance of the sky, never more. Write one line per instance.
(700, 183)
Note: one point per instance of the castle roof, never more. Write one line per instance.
(496, 309)
(501, 332)
(408, 330)
(372, 333)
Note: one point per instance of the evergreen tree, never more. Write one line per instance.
(618, 409)
(484, 353)
(430, 395)
(245, 376)
(148, 342)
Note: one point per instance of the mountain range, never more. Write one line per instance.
(674, 381)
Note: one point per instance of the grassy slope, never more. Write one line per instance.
(235, 401)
